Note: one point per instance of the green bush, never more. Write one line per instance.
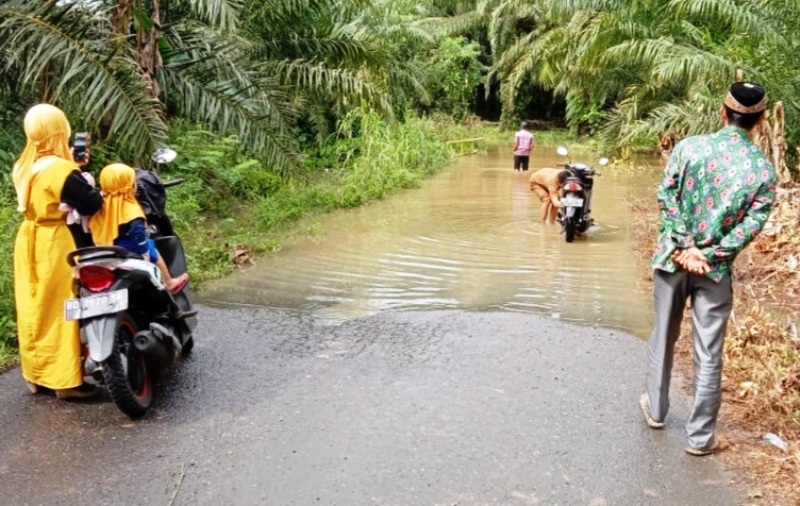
(224, 173)
(9, 221)
(373, 159)
(390, 156)
(454, 72)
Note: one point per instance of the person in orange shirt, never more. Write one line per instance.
(546, 183)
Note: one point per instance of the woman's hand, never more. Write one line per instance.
(86, 157)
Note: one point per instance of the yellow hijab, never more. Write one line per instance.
(47, 131)
(119, 203)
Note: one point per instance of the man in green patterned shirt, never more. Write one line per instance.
(715, 196)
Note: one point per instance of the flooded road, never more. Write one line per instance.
(467, 239)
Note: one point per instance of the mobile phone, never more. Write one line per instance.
(80, 145)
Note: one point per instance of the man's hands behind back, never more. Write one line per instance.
(693, 260)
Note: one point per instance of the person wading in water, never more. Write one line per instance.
(524, 143)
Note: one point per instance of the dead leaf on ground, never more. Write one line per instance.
(243, 255)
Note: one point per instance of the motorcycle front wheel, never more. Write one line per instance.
(125, 371)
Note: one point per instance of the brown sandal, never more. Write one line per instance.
(83, 391)
(718, 446)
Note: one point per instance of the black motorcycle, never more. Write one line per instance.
(576, 196)
(132, 328)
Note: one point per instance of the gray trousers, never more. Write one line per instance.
(711, 307)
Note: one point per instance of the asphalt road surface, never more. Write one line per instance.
(399, 408)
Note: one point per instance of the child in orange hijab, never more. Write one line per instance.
(121, 221)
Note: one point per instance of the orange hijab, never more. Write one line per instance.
(117, 183)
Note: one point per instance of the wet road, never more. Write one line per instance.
(397, 408)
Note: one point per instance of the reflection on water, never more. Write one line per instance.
(468, 239)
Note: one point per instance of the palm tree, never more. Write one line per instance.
(124, 67)
(643, 66)
(63, 53)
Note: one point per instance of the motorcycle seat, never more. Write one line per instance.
(93, 253)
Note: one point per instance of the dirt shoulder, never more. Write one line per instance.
(761, 375)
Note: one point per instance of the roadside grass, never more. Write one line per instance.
(9, 221)
(9, 356)
(761, 375)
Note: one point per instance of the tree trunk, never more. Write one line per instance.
(770, 137)
(779, 144)
(148, 56)
(762, 136)
(121, 18)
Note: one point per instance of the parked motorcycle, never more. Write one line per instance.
(132, 328)
(576, 196)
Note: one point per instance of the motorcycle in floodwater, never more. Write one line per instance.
(132, 328)
(576, 196)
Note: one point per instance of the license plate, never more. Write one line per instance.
(96, 305)
(572, 201)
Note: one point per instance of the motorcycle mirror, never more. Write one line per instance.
(603, 161)
(164, 155)
(561, 150)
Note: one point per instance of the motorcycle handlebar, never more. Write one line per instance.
(585, 172)
(174, 182)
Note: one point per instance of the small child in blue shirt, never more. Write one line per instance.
(121, 221)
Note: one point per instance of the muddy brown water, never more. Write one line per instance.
(467, 239)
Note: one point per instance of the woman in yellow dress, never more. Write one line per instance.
(44, 177)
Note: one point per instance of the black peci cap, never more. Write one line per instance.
(746, 98)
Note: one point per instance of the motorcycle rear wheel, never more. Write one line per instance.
(130, 387)
(569, 230)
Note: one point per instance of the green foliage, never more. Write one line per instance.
(372, 159)
(290, 204)
(391, 157)
(242, 67)
(454, 74)
(10, 146)
(584, 117)
(632, 69)
(217, 171)
(9, 221)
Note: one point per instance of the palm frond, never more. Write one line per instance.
(58, 43)
(345, 50)
(210, 80)
(351, 86)
(222, 14)
(456, 25)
